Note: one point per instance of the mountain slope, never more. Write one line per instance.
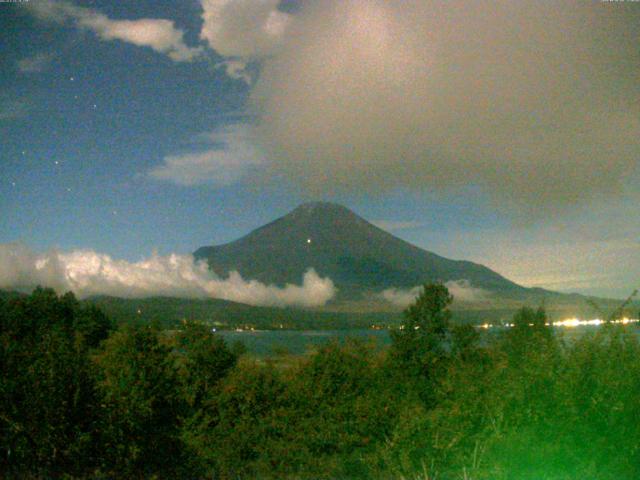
(337, 243)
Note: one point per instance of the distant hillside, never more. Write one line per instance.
(230, 315)
(355, 254)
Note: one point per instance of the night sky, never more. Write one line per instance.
(505, 135)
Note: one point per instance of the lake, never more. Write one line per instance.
(266, 342)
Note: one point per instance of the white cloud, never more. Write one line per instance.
(400, 297)
(243, 30)
(232, 158)
(36, 63)
(239, 30)
(88, 273)
(461, 290)
(159, 34)
(21, 267)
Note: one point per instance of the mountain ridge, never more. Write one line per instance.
(358, 256)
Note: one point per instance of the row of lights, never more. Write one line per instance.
(571, 323)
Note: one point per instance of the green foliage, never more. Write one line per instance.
(319, 418)
(530, 332)
(81, 401)
(93, 325)
(152, 387)
(342, 386)
(141, 405)
(201, 360)
(170, 313)
(420, 346)
(47, 400)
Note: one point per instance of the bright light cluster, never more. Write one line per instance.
(576, 322)
(569, 323)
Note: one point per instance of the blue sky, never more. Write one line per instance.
(168, 135)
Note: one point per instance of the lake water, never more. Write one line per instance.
(267, 342)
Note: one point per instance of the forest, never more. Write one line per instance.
(82, 397)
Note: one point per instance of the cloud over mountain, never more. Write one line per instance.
(529, 101)
(462, 290)
(88, 273)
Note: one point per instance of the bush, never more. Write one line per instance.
(48, 404)
(442, 402)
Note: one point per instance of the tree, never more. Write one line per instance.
(202, 360)
(420, 345)
(240, 422)
(140, 397)
(530, 335)
(48, 411)
(93, 324)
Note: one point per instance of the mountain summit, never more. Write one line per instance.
(336, 242)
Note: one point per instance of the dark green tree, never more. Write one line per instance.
(241, 425)
(530, 336)
(202, 359)
(93, 325)
(420, 346)
(142, 405)
(48, 406)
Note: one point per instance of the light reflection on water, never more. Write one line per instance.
(570, 323)
(266, 342)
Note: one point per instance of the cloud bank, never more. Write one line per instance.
(461, 290)
(531, 101)
(158, 34)
(88, 273)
